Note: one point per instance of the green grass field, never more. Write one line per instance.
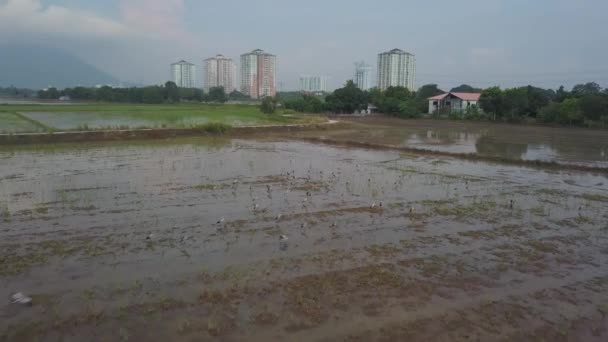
(14, 123)
(33, 118)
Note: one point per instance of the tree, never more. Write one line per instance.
(594, 107)
(408, 110)
(104, 93)
(152, 94)
(269, 105)
(217, 94)
(171, 92)
(399, 93)
(465, 88)
(236, 95)
(561, 94)
(49, 94)
(428, 90)
(305, 104)
(566, 112)
(492, 101)
(515, 103)
(347, 99)
(590, 88)
(375, 96)
(422, 95)
(538, 98)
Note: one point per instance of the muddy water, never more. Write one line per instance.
(185, 240)
(563, 145)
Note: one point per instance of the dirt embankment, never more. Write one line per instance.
(134, 134)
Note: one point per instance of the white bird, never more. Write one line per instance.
(334, 224)
(150, 236)
(279, 217)
(255, 207)
(20, 298)
(283, 238)
(220, 221)
(412, 210)
(373, 205)
(235, 181)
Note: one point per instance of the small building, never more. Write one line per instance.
(453, 102)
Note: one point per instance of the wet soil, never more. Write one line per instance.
(201, 239)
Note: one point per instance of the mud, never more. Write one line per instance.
(179, 239)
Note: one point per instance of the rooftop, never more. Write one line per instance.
(462, 96)
(396, 52)
(257, 52)
(182, 62)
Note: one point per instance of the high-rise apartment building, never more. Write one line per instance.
(258, 74)
(219, 71)
(313, 83)
(363, 76)
(183, 74)
(396, 68)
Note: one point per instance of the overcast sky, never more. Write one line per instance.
(480, 42)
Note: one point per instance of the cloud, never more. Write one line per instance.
(157, 18)
(31, 17)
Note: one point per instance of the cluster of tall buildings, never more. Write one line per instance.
(258, 74)
(396, 68)
(313, 84)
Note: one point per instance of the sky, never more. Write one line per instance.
(479, 42)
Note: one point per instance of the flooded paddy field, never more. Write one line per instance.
(563, 145)
(198, 239)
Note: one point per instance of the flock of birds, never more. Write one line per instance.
(290, 176)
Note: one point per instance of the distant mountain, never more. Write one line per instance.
(37, 67)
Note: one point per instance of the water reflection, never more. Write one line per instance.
(489, 146)
(530, 143)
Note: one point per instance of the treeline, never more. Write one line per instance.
(396, 101)
(17, 92)
(167, 93)
(585, 104)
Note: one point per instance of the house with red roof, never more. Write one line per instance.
(453, 102)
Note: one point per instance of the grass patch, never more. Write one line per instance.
(34, 118)
(11, 122)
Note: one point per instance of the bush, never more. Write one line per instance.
(408, 110)
(269, 105)
(567, 112)
(473, 113)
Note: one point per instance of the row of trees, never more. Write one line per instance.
(585, 103)
(167, 93)
(397, 101)
(17, 92)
